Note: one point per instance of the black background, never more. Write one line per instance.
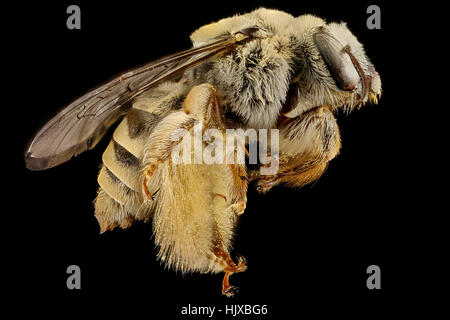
(307, 249)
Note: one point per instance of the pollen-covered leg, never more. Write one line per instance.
(161, 142)
(307, 144)
(198, 204)
(200, 104)
(194, 212)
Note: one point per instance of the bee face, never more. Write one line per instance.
(334, 70)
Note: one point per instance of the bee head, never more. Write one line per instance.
(332, 69)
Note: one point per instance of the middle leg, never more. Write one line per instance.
(307, 144)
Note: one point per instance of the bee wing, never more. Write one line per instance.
(80, 125)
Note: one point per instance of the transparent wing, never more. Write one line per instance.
(81, 124)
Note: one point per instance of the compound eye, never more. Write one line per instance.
(337, 61)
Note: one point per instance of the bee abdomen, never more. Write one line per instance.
(123, 165)
(116, 189)
(118, 202)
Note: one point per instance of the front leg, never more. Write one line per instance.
(307, 143)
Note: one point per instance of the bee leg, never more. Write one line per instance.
(160, 145)
(200, 104)
(240, 185)
(293, 176)
(148, 173)
(231, 267)
(313, 140)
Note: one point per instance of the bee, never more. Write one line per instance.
(262, 70)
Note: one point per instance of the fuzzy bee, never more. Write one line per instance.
(261, 70)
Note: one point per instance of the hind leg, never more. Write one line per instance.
(227, 289)
(197, 204)
(200, 104)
